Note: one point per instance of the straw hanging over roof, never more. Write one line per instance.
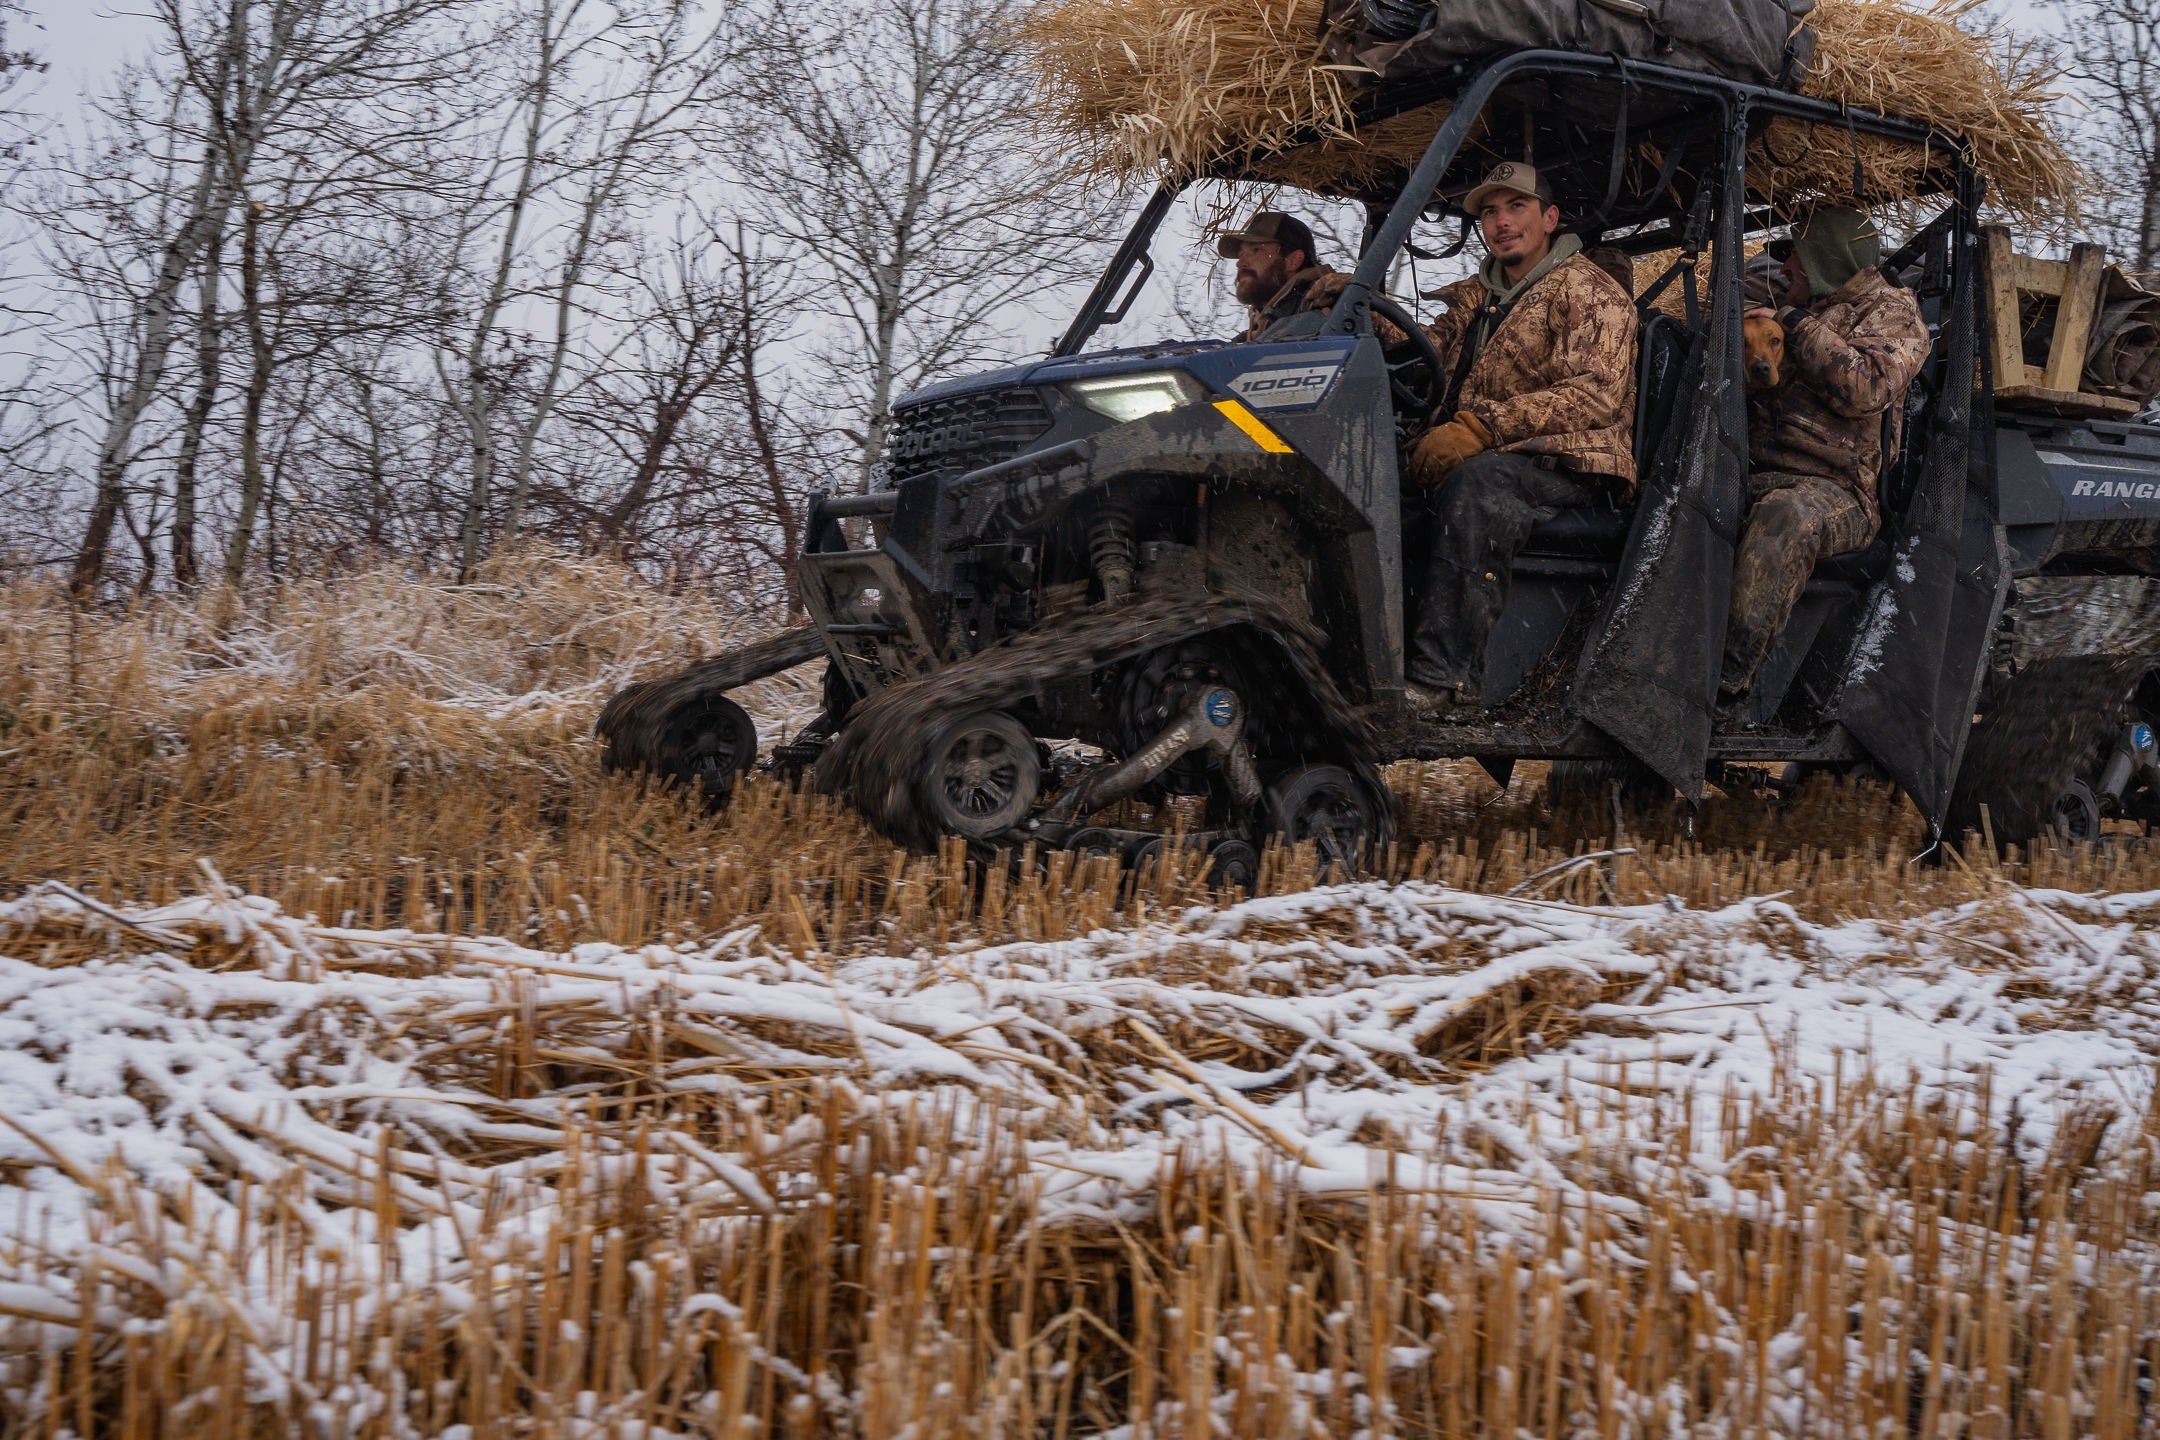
(1148, 86)
(1888, 57)
(1139, 88)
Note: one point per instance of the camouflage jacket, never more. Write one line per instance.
(1848, 360)
(1558, 377)
(1293, 297)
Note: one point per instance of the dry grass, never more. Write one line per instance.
(1138, 88)
(633, 1195)
(397, 752)
(1896, 59)
(666, 1210)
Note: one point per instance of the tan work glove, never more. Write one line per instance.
(1444, 447)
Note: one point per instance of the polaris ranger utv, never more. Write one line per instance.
(1190, 555)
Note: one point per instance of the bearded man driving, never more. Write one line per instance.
(1276, 270)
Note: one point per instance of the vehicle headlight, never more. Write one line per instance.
(1129, 397)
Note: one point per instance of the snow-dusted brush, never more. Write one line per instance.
(1371, 1159)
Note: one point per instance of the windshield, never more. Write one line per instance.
(1167, 280)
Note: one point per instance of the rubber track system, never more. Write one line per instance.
(2047, 731)
(876, 760)
(634, 723)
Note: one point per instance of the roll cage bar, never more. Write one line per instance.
(1471, 89)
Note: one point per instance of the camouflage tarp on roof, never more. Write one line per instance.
(1762, 42)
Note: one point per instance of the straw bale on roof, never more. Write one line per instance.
(1142, 88)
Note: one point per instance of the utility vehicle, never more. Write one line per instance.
(1189, 555)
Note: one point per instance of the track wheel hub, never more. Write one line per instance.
(1326, 806)
(2077, 813)
(981, 775)
(708, 745)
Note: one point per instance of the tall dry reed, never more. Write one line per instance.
(365, 753)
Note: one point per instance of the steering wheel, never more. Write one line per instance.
(1415, 393)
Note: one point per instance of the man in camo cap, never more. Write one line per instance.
(1537, 414)
(1277, 268)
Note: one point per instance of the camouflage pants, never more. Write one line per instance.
(1792, 522)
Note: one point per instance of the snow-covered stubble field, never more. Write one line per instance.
(371, 1065)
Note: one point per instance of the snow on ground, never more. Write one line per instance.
(220, 1035)
(217, 1119)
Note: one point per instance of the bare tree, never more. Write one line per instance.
(607, 104)
(377, 433)
(195, 419)
(888, 148)
(321, 264)
(353, 275)
(32, 477)
(236, 73)
(684, 351)
(704, 459)
(107, 214)
(2113, 51)
(17, 132)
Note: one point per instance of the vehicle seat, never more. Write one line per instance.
(1599, 532)
(1591, 532)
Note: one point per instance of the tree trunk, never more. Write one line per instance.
(225, 160)
(378, 471)
(115, 449)
(261, 361)
(598, 202)
(2148, 256)
(881, 386)
(477, 408)
(146, 543)
(209, 360)
(783, 504)
(483, 474)
(667, 421)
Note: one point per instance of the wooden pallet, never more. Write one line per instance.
(2050, 389)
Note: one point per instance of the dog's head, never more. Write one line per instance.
(1764, 340)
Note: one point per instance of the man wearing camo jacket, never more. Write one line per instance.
(1853, 343)
(1537, 414)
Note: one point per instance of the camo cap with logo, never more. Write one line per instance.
(1269, 227)
(1509, 175)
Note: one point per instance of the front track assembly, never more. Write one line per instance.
(683, 727)
(1200, 693)
(948, 754)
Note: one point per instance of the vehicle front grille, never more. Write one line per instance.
(963, 432)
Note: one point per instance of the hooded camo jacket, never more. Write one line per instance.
(1848, 359)
(1557, 377)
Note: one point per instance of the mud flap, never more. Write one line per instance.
(1943, 594)
(1943, 597)
(1649, 676)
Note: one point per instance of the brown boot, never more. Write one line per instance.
(1439, 702)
